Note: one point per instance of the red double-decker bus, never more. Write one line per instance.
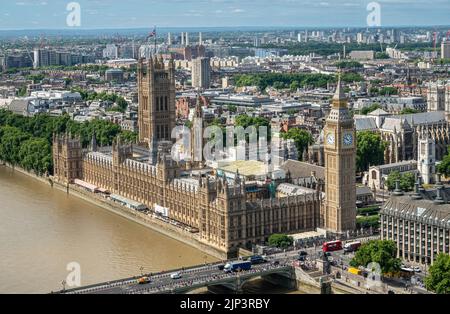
(332, 246)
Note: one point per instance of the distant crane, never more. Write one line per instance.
(25, 41)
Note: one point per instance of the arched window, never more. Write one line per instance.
(374, 175)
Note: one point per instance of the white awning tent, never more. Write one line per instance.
(127, 202)
(86, 185)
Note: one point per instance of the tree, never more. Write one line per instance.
(369, 150)
(381, 55)
(371, 108)
(301, 138)
(122, 103)
(407, 181)
(10, 141)
(345, 64)
(444, 166)
(232, 108)
(27, 141)
(281, 240)
(388, 91)
(129, 137)
(35, 154)
(378, 251)
(409, 111)
(292, 112)
(438, 279)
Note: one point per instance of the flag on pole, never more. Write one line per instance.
(152, 34)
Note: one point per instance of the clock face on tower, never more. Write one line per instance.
(348, 139)
(330, 139)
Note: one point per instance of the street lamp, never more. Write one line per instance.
(64, 285)
(142, 270)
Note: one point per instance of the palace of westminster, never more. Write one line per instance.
(229, 208)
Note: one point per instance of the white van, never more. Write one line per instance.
(175, 276)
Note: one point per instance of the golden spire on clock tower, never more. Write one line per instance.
(339, 98)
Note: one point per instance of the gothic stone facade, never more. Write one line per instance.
(222, 212)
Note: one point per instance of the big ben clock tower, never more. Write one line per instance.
(340, 166)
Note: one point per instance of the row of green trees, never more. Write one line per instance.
(27, 141)
(292, 80)
(20, 148)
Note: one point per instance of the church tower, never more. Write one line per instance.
(340, 166)
(427, 157)
(156, 88)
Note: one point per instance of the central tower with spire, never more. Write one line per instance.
(340, 166)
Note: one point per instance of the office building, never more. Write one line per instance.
(201, 73)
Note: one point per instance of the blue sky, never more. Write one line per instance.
(51, 14)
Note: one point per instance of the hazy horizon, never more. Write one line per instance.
(135, 14)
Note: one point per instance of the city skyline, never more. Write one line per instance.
(51, 14)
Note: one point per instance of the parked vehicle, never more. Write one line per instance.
(221, 266)
(237, 266)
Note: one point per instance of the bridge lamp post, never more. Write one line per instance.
(142, 270)
(64, 285)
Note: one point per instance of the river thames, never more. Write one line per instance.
(42, 230)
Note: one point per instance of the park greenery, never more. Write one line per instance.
(27, 141)
(302, 139)
(282, 241)
(292, 81)
(347, 64)
(378, 251)
(369, 151)
(407, 181)
(438, 279)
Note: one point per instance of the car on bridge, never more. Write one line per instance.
(143, 280)
(237, 266)
(175, 276)
(257, 259)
